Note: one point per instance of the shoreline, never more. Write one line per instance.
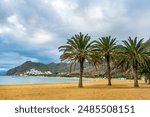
(27, 79)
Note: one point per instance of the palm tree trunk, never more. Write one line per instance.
(81, 74)
(108, 70)
(149, 80)
(135, 75)
(145, 80)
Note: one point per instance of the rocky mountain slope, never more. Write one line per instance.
(26, 67)
(35, 68)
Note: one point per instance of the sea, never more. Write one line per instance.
(2, 72)
(5, 80)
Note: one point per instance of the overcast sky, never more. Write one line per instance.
(34, 29)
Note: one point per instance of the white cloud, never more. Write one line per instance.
(40, 26)
(65, 9)
(14, 59)
(45, 1)
(4, 29)
(64, 6)
(7, 1)
(33, 36)
(40, 37)
(15, 23)
(13, 55)
(13, 26)
(96, 16)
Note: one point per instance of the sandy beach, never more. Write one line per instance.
(94, 90)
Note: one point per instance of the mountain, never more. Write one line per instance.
(36, 68)
(58, 67)
(147, 43)
(64, 67)
(29, 67)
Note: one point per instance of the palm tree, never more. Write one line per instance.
(145, 71)
(133, 54)
(77, 49)
(106, 47)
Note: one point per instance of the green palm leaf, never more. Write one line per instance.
(77, 49)
(106, 47)
(132, 55)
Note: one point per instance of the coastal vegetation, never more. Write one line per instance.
(145, 71)
(132, 54)
(77, 49)
(106, 48)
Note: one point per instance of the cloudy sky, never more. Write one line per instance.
(34, 29)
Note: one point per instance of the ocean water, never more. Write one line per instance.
(34, 80)
(2, 72)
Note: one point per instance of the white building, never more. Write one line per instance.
(36, 72)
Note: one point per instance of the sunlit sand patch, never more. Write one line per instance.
(94, 90)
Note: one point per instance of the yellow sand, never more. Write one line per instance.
(95, 90)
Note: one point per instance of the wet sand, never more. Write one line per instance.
(94, 90)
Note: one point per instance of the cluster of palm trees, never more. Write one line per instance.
(132, 54)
